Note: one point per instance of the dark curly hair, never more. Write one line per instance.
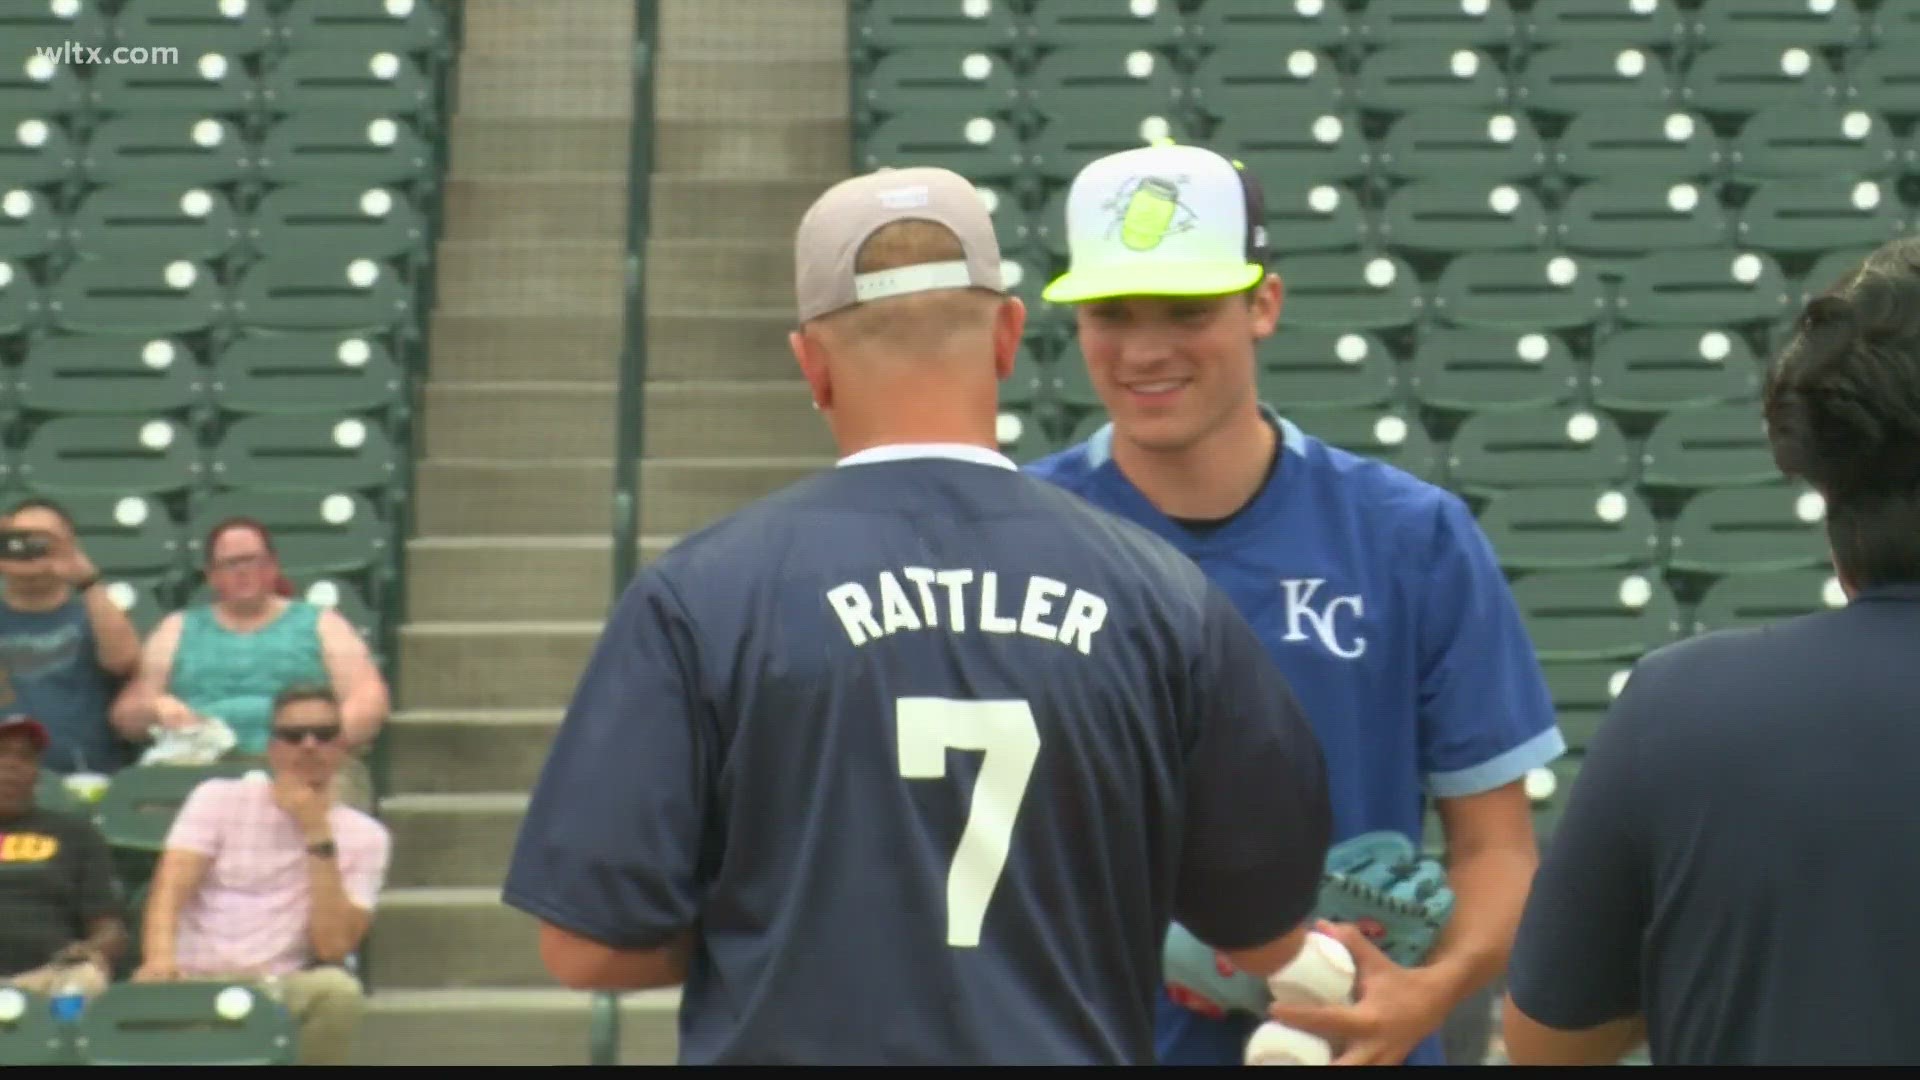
(1842, 408)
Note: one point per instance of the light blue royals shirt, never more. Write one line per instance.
(1385, 606)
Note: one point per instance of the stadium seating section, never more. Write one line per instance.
(1537, 252)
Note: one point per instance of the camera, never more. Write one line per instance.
(19, 545)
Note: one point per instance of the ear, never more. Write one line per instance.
(1266, 303)
(1009, 324)
(813, 367)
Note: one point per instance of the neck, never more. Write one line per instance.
(916, 411)
(1207, 479)
(36, 595)
(248, 612)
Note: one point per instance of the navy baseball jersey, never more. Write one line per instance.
(1384, 605)
(925, 753)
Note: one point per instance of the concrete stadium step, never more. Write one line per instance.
(752, 147)
(493, 665)
(716, 83)
(464, 497)
(475, 578)
(740, 343)
(583, 206)
(453, 840)
(713, 419)
(801, 27)
(453, 938)
(538, 146)
(688, 207)
(534, 277)
(487, 347)
(682, 495)
(757, 272)
(510, 1027)
(468, 752)
(519, 421)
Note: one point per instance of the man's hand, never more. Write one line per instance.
(1394, 1007)
(81, 952)
(71, 563)
(157, 970)
(307, 805)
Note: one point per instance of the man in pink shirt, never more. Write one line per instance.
(270, 880)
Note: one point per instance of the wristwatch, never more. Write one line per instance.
(323, 850)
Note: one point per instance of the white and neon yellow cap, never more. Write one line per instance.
(1163, 220)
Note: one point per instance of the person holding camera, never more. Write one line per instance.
(64, 643)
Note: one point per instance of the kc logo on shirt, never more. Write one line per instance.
(1309, 615)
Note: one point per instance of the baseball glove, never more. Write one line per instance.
(1378, 882)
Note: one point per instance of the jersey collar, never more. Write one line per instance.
(978, 455)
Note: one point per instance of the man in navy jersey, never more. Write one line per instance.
(1376, 593)
(914, 761)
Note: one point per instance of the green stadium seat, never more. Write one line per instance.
(31, 1036)
(886, 25)
(313, 292)
(32, 84)
(1567, 79)
(20, 301)
(1293, 24)
(144, 598)
(1073, 138)
(1031, 381)
(307, 372)
(1635, 142)
(1383, 435)
(1815, 214)
(1654, 369)
(1882, 80)
(1716, 446)
(196, 27)
(46, 22)
(1597, 614)
(1326, 369)
(35, 152)
(154, 221)
(1313, 215)
(355, 81)
(1744, 79)
(1628, 215)
(175, 150)
(1829, 270)
(1466, 370)
(1583, 692)
(153, 295)
(345, 147)
(1896, 22)
(1518, 290)
(1568, 528)
(315, 534)
(182, 1023)
(1752, 600)
(199, 84)
(1485, 145)
(112, 455)
(1538, 448)
(342, 219)
(1428, 76)
(1086, 81)
(1605, 22)
(126, 535)
(941, 80)
(1141, 24)
(1718, 287)
(978, 147)
(1349, 291)
(1294, 147)
(1448, 216)
(346, 598)
(1246, 75)
(1825, 24)
(108, 374)
(50, 792)
(311, 453)
(1750, 530)
(29, 227)
(1826, 141)
(1023, 434)
(412, 26)
(1070, 388)
(1485, 23)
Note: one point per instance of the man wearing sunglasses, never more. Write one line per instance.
(267, 878)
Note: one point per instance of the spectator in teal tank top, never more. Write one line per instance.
(230, 657)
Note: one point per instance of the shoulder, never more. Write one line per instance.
(1703, 662)
(1421, 517)
(67, 825)
(1073, 466)
(357, 828)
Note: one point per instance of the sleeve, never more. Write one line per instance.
(610, 845)
(363, 868)
(1258, 819)
(98, 893)
(1486, 716)
(1576, 959)
(197, 826)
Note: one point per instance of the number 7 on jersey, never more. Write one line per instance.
(1006, 734)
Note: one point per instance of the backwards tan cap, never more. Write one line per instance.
(840, 222)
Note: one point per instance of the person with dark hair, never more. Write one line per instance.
(63, 641)
(1733, 876)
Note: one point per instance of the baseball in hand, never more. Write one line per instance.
(1276, 1044)
(1323, 974)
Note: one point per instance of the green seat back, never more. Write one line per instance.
(35, 1038)
(1566, 79)
(345, 147)
(942, 79)
(1072, 139)
(306, 373)
(910, 24)
(32, 84)
(1518, 290)
(1654, 369)
(1834, 24)
(1753, 600)
(1319, 368)
(1129, 83)
(1246, 75)
(1583, 691)
(1539, 448)
(1484, 144)
(364, 26)
(311, 453)
(1636, 141)
(1760, 529)
(1393, 22)
(1812, 214)
(1314, 215)
(1598, 614)
(175, 150)
(42, 22)
(196, 27)
(1743, 79)
(1264, 23)
(1830, 269)
(126, 535)
(20, 301)
(1882, 80)
(1100, 22)
(1469, 370)
(108, 373)
(1794, 140)
(1467, 214)
(1031, 381)
(155, 221)
(1024, 433)
(34, 152)
(1399, 78)
(345, 219)
(1605, 22)
(1381, 434)
(1349, 290)
(1715, 446)
(315, 534)
(140, 805)
(181, 1024)
(321, 291)
(1293, 147)
(29, 227)
(1704, 287)
(145, 600)
(199, 83)
(1896, 22)
(979, 148)
(153, 295)
(356, 81)
(113, 455)
(1070, 387)
(1631, 214)
(1568, 528)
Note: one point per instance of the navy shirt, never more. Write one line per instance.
(1739, 858)
(926, 753)
(50, 670)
